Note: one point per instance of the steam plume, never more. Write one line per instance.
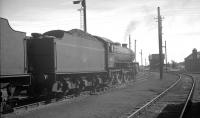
(131, 27)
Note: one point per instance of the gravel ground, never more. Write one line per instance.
(112, 104)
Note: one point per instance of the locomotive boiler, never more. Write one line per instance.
(119, 61)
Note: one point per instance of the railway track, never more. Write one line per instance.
(171, 103)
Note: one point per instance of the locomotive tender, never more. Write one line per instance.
(65, 56)
(13, 61)
(60, 61)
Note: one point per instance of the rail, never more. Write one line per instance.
(185, 108)
(137, 112)
(183, 112)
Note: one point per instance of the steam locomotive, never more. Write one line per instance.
(57, 61)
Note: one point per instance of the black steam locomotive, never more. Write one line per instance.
(59, 63)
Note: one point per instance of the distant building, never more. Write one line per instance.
(154, 62)
(192, 62)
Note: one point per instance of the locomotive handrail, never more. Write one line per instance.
(16, 75)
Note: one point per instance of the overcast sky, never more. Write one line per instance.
(115, 19)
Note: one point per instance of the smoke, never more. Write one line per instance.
(130, 28)
(145, 18)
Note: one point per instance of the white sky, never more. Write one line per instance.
(115, 19)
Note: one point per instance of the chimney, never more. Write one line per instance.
(194, 53)
(194, 50)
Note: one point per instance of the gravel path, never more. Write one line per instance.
(112, 104)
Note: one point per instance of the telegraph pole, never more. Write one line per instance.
(145, 62)
(135, 51)
(166, 55)
(129, 41)
(165, 46)
(141, 60)
(160, 42)
(141, 57)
